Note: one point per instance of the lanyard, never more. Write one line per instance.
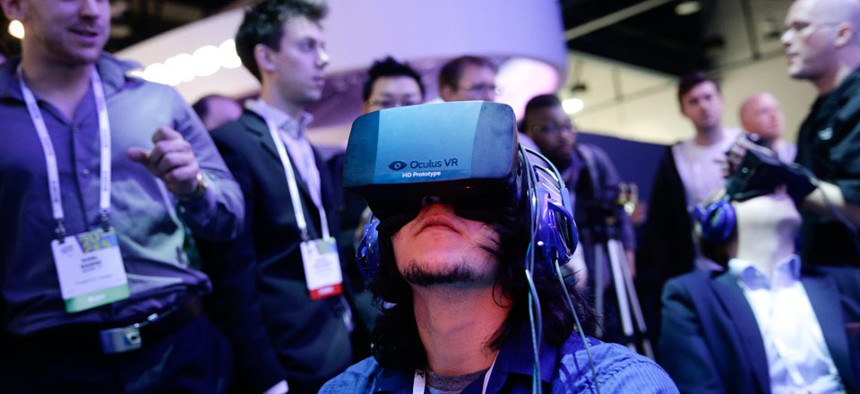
(420, 382)
(293, 186)
(51, 159)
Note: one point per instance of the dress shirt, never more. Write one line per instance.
(143, 211)
(293, 132)
(798, 358)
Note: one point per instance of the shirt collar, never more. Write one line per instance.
(112, 71)
(294, 127)
(785, 273)
(516, 357)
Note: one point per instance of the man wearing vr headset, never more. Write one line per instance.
(767, 323)
(467, 225)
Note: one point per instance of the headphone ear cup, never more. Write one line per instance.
(367, 252)
(718, 221)
(555, 237)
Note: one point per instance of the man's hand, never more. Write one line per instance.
(739, 149)
(759, 171)
(172, 160)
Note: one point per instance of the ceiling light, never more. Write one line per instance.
(572, 105)
(16, 29)
(688, 8)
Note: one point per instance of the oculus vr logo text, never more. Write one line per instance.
(397, 165)
(400, 165)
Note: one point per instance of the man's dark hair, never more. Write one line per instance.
(201, 106)
(264, 24)
(536, 103)
(396, 343)
(451, 72)
(389, 67)
(693, 79)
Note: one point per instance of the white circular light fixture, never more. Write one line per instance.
(688, 8)
(16, 29)
(572, 105)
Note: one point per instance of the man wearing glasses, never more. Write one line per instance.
(473, 78)
(391, 84)
(468, 78)
(593, 183)
(822, 45)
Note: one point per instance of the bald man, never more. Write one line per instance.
(822, 45)
(762, 116)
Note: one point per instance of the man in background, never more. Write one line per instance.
(822, 44)
(468, 78)
(761, 115)
(215, 110)
(687, 174)
(593, 183)
(290, 273)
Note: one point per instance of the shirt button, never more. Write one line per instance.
(86, 172)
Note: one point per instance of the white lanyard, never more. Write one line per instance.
(420, 382)
(51, 159)
(293, 186)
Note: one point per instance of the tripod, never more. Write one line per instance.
(608, 252)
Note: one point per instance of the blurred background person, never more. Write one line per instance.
(276, 277)
(822, 44)
(768, 323)
(473, 78)
(215, 110)
(761, 115)
(688, 173)
(468, 78)
(593, 184)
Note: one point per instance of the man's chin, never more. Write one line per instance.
(456, 276)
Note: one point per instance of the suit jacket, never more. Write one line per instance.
(260, 276)
(710, 341)
(667, 242)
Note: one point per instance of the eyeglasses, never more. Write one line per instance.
(554, 128)
(386, 103)
(479, 88)
(805, 27)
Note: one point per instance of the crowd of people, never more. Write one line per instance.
(154, 246)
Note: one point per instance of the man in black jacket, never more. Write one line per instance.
(284, 265)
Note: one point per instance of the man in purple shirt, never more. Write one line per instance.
(96, 170)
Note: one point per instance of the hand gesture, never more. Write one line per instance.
(172, 160)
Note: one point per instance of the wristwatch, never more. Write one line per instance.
(199, 191)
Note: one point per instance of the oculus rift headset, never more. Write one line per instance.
(465, 153)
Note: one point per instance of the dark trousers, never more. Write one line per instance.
(196, 359)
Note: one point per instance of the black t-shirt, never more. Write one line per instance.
(829, 144)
